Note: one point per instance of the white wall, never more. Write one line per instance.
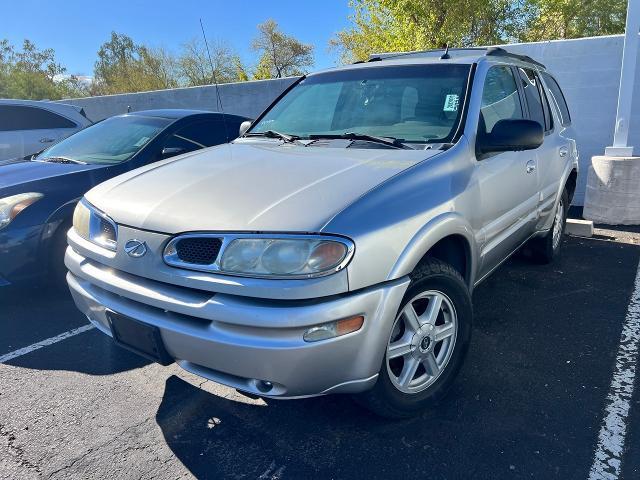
(587, 69)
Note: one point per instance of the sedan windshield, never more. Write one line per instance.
(413, 104)
(111, 141)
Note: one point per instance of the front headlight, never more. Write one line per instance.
(272, 256)
(95, 226)
(284, 256)
(11, 206)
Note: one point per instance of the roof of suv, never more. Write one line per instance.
(453, 55)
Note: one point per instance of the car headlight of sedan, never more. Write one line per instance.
(11, 206)
(277, 256)
(94, 225)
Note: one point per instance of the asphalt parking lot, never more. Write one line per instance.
(529, 403)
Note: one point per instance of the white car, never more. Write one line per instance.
(28, 126)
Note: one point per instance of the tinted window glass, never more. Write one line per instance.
(198, 135)
(419, 104)
(13, 117)
(558, 98)
(500, 99)
(111, 141)
(206, 134)
(530, 85)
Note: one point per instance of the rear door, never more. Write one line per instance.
(26, 129)
(558, 154)
(507, 181)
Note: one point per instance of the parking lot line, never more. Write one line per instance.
(608, 455)
(45, 343)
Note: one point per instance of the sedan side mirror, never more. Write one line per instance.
(244, 126)
(171, 152)
(512, 136)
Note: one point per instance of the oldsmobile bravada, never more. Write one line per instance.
(334, 246)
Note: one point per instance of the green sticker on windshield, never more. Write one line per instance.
(451, 103)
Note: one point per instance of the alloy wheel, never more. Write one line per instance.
(422, 341)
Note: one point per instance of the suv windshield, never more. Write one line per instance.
(111, 141)
(413, 103)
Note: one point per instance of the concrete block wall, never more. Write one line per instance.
(246, 98)
(588, 70)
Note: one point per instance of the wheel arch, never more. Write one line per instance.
(449, 238)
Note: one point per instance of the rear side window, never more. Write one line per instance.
(558, 98)
(18, 117)
(536, 98)
(500, 99)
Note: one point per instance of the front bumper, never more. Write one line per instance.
(242, 341)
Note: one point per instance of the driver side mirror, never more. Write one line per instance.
(244, 126)
(171, 152)
(511, 135)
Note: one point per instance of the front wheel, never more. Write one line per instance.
(427, 344)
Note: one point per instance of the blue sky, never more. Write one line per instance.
(75, 29)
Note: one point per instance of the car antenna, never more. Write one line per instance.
(215, 81)
(445, 55)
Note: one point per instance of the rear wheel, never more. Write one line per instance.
(547, 248)
(427, 344)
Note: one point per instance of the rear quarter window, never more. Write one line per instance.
(558, 98)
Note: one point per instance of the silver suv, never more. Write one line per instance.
(334, 246)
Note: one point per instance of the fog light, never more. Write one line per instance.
(334, 329)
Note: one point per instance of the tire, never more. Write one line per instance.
(433, 283)
(57, 274)
(546, 249)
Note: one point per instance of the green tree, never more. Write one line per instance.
(552, 19)
(34, 74)
(405, 25)
(280, 55)
(124, 66)
(195, 67)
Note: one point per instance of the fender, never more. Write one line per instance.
(56, 220)
(444, 225)
(565, 177)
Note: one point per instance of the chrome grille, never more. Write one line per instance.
(198, 250)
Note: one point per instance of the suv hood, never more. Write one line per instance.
(249, 186)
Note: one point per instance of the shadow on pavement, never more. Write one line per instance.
(528, 401)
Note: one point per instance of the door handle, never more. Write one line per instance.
(531, 166)
(563, 152)
(46, 140)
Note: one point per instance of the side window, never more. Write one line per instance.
(205, 134)
(18, 117)
(500, 99)
(536, 98)
(558, 98)
(198, 135)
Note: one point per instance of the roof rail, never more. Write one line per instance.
(376, 57)
(489, 51)
(501, 52)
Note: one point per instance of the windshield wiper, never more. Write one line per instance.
(273, 134)
(61, 160)
(389, 141)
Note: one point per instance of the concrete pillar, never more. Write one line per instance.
(613, 182)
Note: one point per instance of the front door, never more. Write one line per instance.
(507, 181)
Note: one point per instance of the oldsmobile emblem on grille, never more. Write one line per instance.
(135, 248)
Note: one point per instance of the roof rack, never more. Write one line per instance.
(489, 51)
